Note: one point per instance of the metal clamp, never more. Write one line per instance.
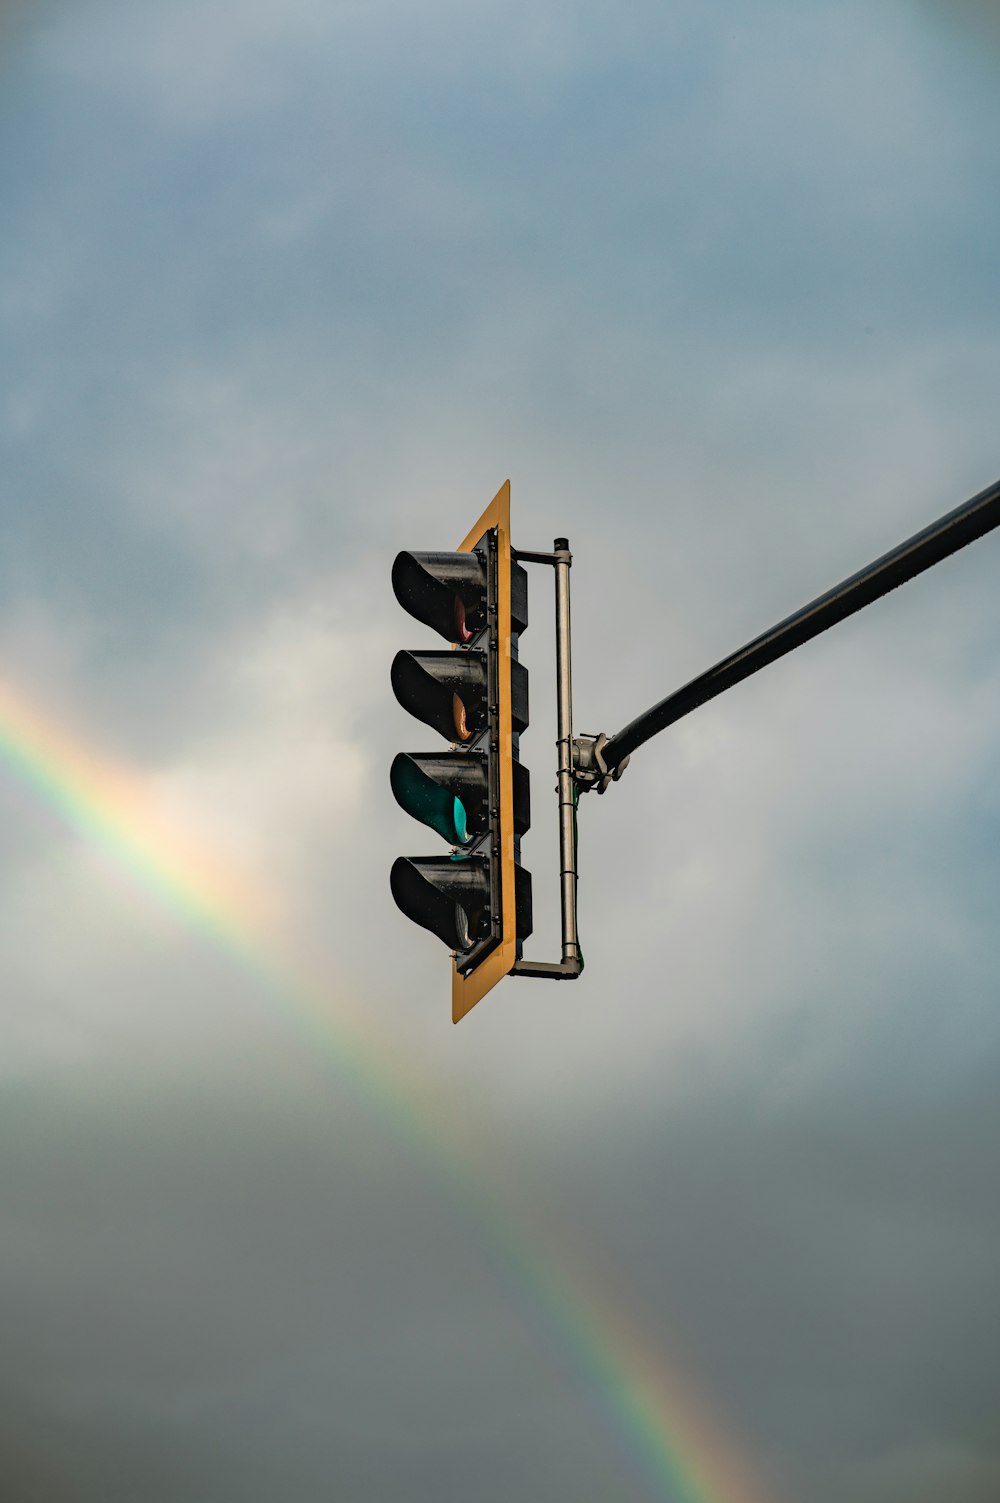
(589, 767)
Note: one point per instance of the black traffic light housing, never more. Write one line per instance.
(475, 795)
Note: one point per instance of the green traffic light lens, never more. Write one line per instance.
(461, 822)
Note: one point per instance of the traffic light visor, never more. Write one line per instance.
(450, 898)
(446, 591)
(446, 790)
(446, 690)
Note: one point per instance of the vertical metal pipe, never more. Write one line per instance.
(564, 748)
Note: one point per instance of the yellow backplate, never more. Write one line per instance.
(466, 991)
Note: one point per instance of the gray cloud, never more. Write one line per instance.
(977, 18)
(284, 289)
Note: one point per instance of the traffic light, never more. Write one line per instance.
(475, 794)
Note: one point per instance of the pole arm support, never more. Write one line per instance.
(973, 519)
(590, 770)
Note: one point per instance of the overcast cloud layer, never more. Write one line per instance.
(284, 287)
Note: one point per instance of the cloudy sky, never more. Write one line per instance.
(286, 285)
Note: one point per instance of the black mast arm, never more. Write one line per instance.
(945, 536)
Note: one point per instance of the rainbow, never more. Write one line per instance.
(668, 1436)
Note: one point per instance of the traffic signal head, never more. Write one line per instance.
(449, 793)
(446, 591)
(449, 691)
(451, 898)
(475, 795)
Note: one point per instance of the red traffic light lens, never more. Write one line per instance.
(462, 633)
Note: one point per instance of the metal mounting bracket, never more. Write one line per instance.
(568, 970)
(590, 771)
(571, 964)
